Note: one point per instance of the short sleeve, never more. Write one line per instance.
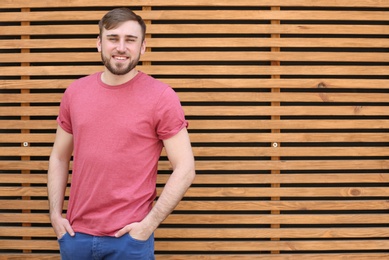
(170, 118)
(64, 119)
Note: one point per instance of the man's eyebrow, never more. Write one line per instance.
(127, 36)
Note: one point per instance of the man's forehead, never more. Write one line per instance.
(126, 28)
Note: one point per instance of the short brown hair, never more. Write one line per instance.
(117, 16)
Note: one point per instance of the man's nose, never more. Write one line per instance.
(121, 47)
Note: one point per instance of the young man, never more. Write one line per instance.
(115, 124)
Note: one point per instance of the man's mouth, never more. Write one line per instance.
(120, 58)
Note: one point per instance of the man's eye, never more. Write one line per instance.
(112, 39)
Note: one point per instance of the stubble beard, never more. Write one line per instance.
(118, 68)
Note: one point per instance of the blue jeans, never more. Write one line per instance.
(87, 247)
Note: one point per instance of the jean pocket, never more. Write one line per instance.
(63, 237)
(137, 240)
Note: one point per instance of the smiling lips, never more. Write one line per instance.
(120, 58)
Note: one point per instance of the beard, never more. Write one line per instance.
(119, 68)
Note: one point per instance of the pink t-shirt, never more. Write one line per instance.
(118, 133)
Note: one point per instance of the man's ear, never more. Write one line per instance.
(98, 44)
(143, 47)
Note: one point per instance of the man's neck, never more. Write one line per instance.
(114, 80)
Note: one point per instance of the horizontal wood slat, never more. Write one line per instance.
(243, 219)
(231, 233)
(226, 246)
(288, 107)
(204, 29)
(331, 256)
(193, 42)
(203, 70)
(243, 165)
(233, 124)
(231, 111)
(238, 151)
(216, 83)
(219, 56)
(235, 192)
(232, 138)
(221, 178)
(226, 15)
(190, 3)
(233, 205)
(235, 97)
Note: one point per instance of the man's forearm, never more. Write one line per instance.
(173, 192)
(56, 184)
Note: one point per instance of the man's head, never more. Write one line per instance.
(121, 40)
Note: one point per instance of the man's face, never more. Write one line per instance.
(121, 47)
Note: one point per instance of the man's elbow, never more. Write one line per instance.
(191, 173)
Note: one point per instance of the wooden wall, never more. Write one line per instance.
(288, 103)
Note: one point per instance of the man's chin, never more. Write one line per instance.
(119, 71)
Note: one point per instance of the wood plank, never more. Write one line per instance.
(233, 205)
(289, 165)
(202, 70)
(327, 178)
(231, 111)
(270, 151)
(30, 256)
(21, 178)
(221, 83)
(252, 138)
(225, 246)
(28, 124)
(237, 151)
(361, 256)
(220, 178)
(25, 205)
(29, 111)
(271, 110)
(238, 192)
(232, 124)
(273, 245)
(204, 56)
(343, 192)
(232, 219)
(232, 256)
(252, 96)
(226, 138)
(24, 218)
(294, 219)
(226, 15)
(191, 29)
(288, 124)
(44, 244)
(240, 165)
(29, 138)
(284, 256)
(205, 43)
(259, 233)
(229, 233)
(289, 205)
(266, 3)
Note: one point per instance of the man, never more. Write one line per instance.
(115, 124)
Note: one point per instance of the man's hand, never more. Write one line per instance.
(136, 231)
(61, 226)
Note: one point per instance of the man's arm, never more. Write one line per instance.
(179, 151)
(57, 178)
